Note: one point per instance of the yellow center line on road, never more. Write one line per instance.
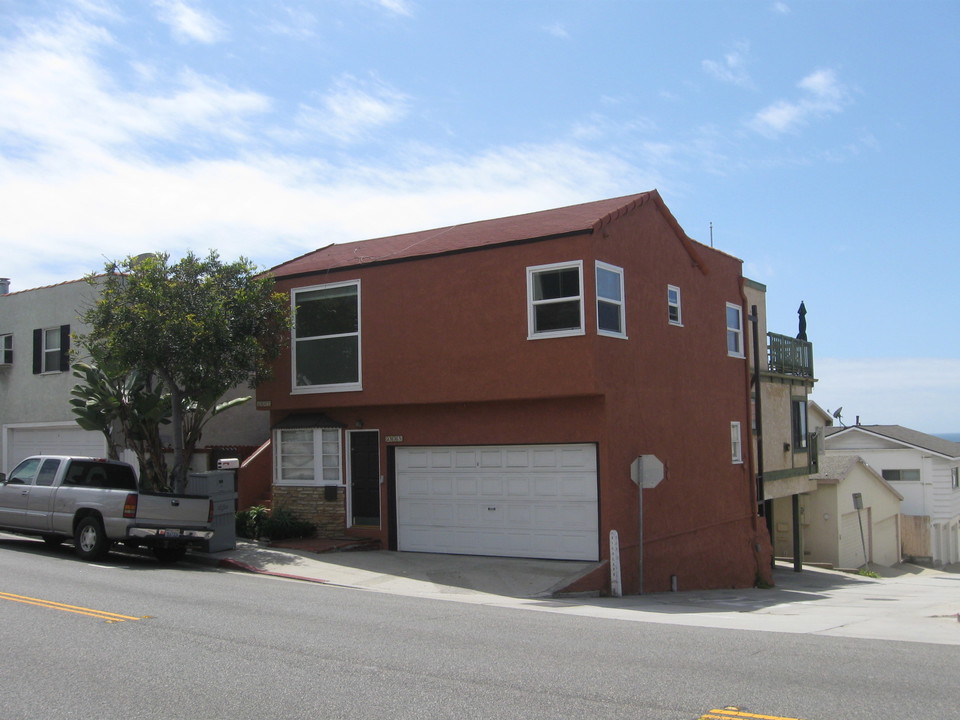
(102, 614)
(735, 713)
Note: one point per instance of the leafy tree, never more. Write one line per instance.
(200, 326)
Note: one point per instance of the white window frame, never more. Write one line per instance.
(49, 353)
(955, 478)
(324, 470)
(734, 332)
(674, 305)
(532, 304)
(6, 349)
(297, 389)
(736, 443)
(620, 302)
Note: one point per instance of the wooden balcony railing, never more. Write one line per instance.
(789, 356)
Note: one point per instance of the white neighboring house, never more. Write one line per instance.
(36, 329)
(925, 471)
(35, 377)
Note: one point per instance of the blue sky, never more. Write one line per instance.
(818, 138)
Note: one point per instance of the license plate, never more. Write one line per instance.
(171, 533)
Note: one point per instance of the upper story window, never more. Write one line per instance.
(734, 330)
(955, 478)
(326, 352)
(610, 305)
(51, 350)
(736, 443)
(308, 456)
(674, 314)
(555, 300)
(6, 349)
(912, 474)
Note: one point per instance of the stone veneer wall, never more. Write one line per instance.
(308, 503)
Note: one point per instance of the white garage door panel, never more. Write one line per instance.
(53, 440)
(515, 501)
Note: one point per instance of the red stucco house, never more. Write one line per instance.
(484, 388)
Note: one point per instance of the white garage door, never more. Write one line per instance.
(537, 501)
(59, 439)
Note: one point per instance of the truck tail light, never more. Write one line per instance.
(130, 506)
(210, 513)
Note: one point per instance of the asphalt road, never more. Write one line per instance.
(129, 638)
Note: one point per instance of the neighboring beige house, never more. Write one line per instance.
(785, 447)
(835, 531)
(925, 471)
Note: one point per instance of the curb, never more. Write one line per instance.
(237, 565)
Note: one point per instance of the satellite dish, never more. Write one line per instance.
(836, 413)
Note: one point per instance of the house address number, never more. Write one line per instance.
(393, 438)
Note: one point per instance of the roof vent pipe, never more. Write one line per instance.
(4, 286)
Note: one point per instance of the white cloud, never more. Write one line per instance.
(61, 108)
(732, 69)
(823, 95)
(188, 23)
(918, 393)
(352, 109)
(557, 30)
(781, 8)
(398, 7)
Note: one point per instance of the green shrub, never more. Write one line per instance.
(281, 524)
(250, 522)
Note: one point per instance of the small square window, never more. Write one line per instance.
(674, 314)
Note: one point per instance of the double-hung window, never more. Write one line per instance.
(6, 349)
(736, 443)
(734, 330)
(555, 300)
(610, 305)
(308, 456)
(326, 348)
(674, 315)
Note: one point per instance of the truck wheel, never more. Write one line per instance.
(90, 540)
(169, 555)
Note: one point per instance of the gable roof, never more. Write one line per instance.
(580, 219)
(904, 436)
(836, 469)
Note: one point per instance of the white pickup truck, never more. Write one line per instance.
(96, 503)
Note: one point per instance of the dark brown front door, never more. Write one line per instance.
(365, 478)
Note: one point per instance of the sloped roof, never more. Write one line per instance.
(906, 436)
(559, 222)
(838, 468)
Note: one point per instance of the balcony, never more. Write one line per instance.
(789, 356)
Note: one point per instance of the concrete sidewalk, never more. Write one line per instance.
(911, 604)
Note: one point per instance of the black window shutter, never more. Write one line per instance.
(37, 351)
(64, 348)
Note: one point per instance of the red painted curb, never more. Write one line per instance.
(237, 565)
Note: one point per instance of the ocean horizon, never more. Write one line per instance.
(954, 437)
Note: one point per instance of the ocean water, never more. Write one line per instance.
(955, 437)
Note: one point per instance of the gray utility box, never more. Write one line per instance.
(221, 487)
